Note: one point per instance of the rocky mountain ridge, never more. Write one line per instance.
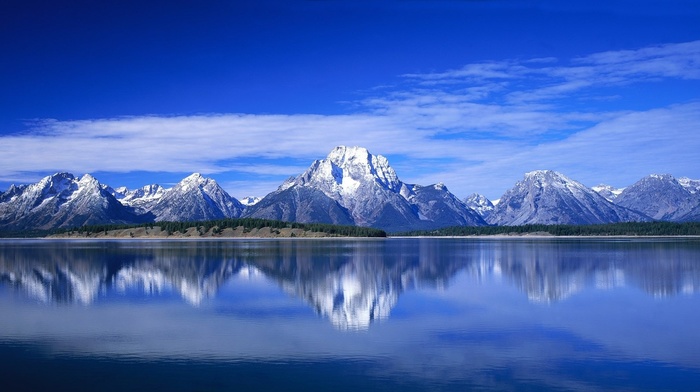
(661, 197)
(350, 186)
(549, 197)
(62, 200)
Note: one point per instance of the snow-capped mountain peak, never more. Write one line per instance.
(196, 198)
(361, 183)
(660, 196)
(250, 200)
(141, 199)
(480, 204)
(608, 191)
(550, 178)
(193, 180)
(88, 179)
(61, 200)
(549, 197)
(356, 163)
(345, 169)
(353, 186)
(663, 177)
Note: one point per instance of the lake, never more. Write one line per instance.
(403, 314)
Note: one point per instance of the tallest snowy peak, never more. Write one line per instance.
(349, 164)
(341, 154)
(353, 177)
(194, 177)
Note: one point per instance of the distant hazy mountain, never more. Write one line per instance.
(196, 198)
(61, 200)
(142, 199)
(352, 186)
(250, 200)
(661, 197)
(549, 197)
(608, 191)
(480, 204)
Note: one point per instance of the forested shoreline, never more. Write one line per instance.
(273, 228)
(210, 228)
(610, 229)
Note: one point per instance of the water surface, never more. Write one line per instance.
(384, 314)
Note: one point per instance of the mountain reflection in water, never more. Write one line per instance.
(351, 282)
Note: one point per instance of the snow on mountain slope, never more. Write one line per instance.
(142, 199)
(196, 198)
(480, 204)
(250, 200)
(693, 186)
(608, 191)
(19, 201)
(549, 197)
(61, 200)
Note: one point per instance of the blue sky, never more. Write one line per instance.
(469, 93)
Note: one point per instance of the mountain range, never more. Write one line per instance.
(350, 186)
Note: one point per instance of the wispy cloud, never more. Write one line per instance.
(547, 79)
(486, 123)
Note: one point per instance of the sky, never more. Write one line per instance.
(472, 94)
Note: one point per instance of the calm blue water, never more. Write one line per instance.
(389, 314)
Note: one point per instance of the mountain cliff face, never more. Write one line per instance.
(352, 186)
(661, 197)
(196, 198)
(61, 200)
(548, 197)
(300, 204)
